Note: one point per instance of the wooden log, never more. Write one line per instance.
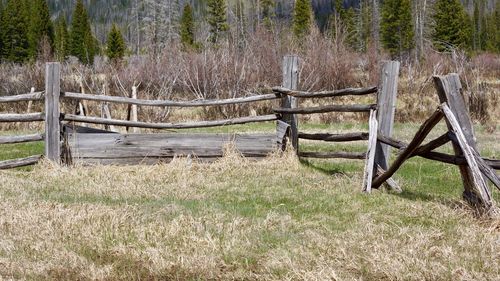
(480, 188)
(440, 141)
(325, 109)
(390, 182)
(386, 107)
(188, 125)
(335, 137)
(391, 141)
(29, 117)
(449, 91)
(20, 139)
(20, 162)
(24, 97)
(410, 149)
(52, 112)
(290, 81)
(164, 103)
(331, 155)
(370, 154)
(326, 94)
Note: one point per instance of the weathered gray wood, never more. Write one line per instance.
(133, 110)
(106, 148)
(282, 133)
(326, 94)
(20, 139)
(335, 137)
(20, 162)
(370, 153)
(486, 169)
(390, 182)
(28, 117)
(449, 91)
(480, 188)
(328, 108)
(164, 103)
(188, 125)
(440, 141)
(410, 149)
(386, 106)
(24, 97)
(290, 81)
(52, 112)
(331, 155)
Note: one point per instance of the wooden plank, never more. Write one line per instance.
(358, 136)
(133, 110)
(331, 155)
(24, 97)
(326, 94)
(409, 150)
(20, 162)
(282, 134)
(20, 139)
(52, 112)
(188, 125)
(370, 153)
(164, 103)
(386, 105)
(480, 188)
(27, 117)
(326, 109)
(449, 91)
(290, 81)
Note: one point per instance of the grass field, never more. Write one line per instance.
(275, 219)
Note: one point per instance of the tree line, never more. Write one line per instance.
(400, 27)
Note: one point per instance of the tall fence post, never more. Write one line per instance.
(386, 104)
(290, 81)
(52, 112)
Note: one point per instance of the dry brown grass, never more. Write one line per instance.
(234, 219)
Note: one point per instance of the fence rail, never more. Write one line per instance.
(27, 117)
(21, 139)
(20, 162)
(326, 94)
(24, 97)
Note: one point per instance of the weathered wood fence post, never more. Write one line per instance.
(52, 112)
(290, 81)
(449, 91)
(386, 104)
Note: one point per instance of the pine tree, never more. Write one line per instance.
(396, 27)
(187, 27)
(452, 25)
(14, 32)
(1, 40)
(267, 8)
(115, 46)
(82, 43)
(347, 20)
(40, 26)
(217, 19)
(61, 40)
(302, 18)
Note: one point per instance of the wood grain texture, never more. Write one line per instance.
(370, 153)
(20, 139)
(24, 97)
(20, 162)
(27, 117)
(52, 112)
(188, 125)
(290, 80)
(358, 136)
(326, 109)
(326, 94)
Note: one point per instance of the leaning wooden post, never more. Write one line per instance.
(449, 91)
(52, 112)
(290, 81)
(386, 108)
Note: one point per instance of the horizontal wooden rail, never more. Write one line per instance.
(28, 117)
(20, 139)
(163, 103)
(328, 108)
(330, 155)
(326, 94)
(189, 125)
(24, 97)
(20, 162)
(335, 137)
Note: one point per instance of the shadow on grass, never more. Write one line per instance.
(453, 203)
(322, 168)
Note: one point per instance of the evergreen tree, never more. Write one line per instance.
(267, 8)
(115, 46)
(217, 19)
(302, 18)
(14, 32)
(82, 43)
(452, 25)
(40, 26)
(1, 40)
(396, 27)
(347, 20)
(187, 27)
(61, 40)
